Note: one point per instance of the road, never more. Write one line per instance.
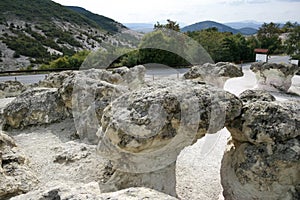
(26, 79)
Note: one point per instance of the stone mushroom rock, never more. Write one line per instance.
(262, 159)
(11, 89)
(250, 96)
(15, 175)
(143, 131)
(273, 76)
(34, 107)
(215, 74)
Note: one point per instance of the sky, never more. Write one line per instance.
(192, 11)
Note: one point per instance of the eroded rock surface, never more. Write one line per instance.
(143, 131)
(55, 80)
(34, 107)
(215, 74)
(250, 96)
(11, 89)
(91, 191)
(262, 160)
(273, 76)
(15, 175)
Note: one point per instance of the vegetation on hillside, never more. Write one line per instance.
(43, 30)
(65, 62)
(41, 11)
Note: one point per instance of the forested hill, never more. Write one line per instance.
(104, 22)
(221, 27)
(37, 31)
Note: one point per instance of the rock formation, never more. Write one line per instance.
(55, 80)
(274, 77)
(143, 131)
(15, 175)
(215, 74)
(262, 159)
(91, 191)
(11, 89)
(250, 96)
(34, 107)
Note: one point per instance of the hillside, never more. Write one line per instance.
(221, 27)
(35, 32)
(243, 24)
(104, 22)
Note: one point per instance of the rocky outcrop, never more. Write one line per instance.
(34, 107)
(11, 89)
(143, 131)
(15, 175)
(136, 194)
(250, 96)
(273, 76)
(262, 159)
(55, 80)
(91, 191)
(215, 74)
(99, 88)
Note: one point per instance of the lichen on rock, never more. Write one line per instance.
(11, 89)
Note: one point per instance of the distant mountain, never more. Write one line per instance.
(243, 24)
(209, 24)
(140, 27)
(221, 27)
(248, 31)
(35, 32)
(104, 22)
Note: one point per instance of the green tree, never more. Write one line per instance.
(173, 25)
(268, 36)
(162, 41)
(292, 44)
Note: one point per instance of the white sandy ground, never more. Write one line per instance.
(198, 166)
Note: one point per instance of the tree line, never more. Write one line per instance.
(221, 46)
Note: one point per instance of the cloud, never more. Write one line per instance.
(243, 2)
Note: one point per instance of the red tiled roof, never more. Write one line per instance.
(261, 50)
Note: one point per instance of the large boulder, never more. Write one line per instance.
(262, 160)
(15, 176)
(143, 131)
(34, 107)
(273, 76)
(215, 74)
(11, 89)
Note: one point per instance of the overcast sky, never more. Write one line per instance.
(191, 11)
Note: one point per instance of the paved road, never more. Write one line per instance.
(27, 79)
